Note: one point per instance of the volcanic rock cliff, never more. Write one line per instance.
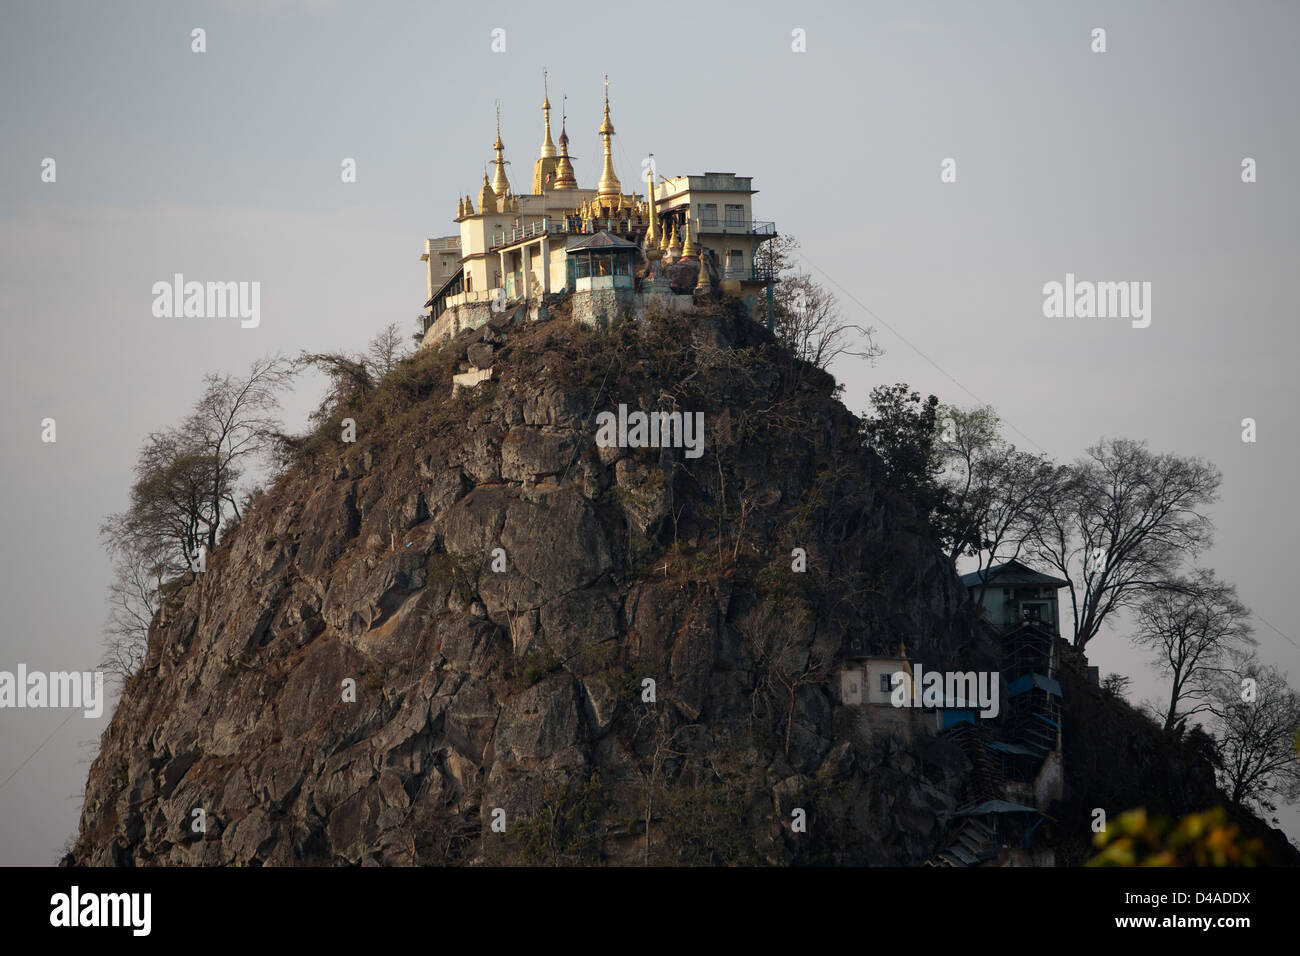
(501, 591)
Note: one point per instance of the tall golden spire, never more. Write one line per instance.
(564, 178)
(688, 247)
(609, 186)
(500, 185)
(546, 169)
(548, 147)
(652, 252)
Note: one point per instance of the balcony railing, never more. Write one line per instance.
(537, 227)
(736, 227)
(749, 274)
(572, 226)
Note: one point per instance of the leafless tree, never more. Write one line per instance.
(352, 376)
(1115, 685)
(788, 657)
(385, 350)
(1256, 734)
(998, 497)
(806, 317)
(133, 599)
(656, 747)
(808, 322)
(234, 421)
(1192, 624)
(1121, 524)
(186, 483)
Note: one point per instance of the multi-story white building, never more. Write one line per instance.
(609, 248)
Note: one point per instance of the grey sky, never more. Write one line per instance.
(225, 166)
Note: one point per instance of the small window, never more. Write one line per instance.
(887, 683)
(709, 213)
(735, 215)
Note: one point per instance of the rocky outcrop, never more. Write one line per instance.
(476, 636)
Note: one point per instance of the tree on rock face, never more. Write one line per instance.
(186, 485)
(133, 599)
(1192, 624)
(1258, 715)
(171, 513)
(806, 315)
(235, 421)
(902, 432)
(1120, 525)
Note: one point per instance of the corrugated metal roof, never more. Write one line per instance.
(1026, 681)
(1010, 574)
(1010, 748)
(995, 806)
(601, 241)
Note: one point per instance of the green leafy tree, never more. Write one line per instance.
(901, 429)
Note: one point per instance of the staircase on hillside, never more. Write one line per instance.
(971, 842)
(985, 780)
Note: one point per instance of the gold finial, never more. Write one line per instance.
(702, 280)
(609, 185)
(500, 185)
(688, 247)
(469, 207)
(487, 197)
(651, 239)
(674, 243)
(564, 177)
(546, 168)
(460, 207)
(548, 146)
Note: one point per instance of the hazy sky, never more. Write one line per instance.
(225, 165)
